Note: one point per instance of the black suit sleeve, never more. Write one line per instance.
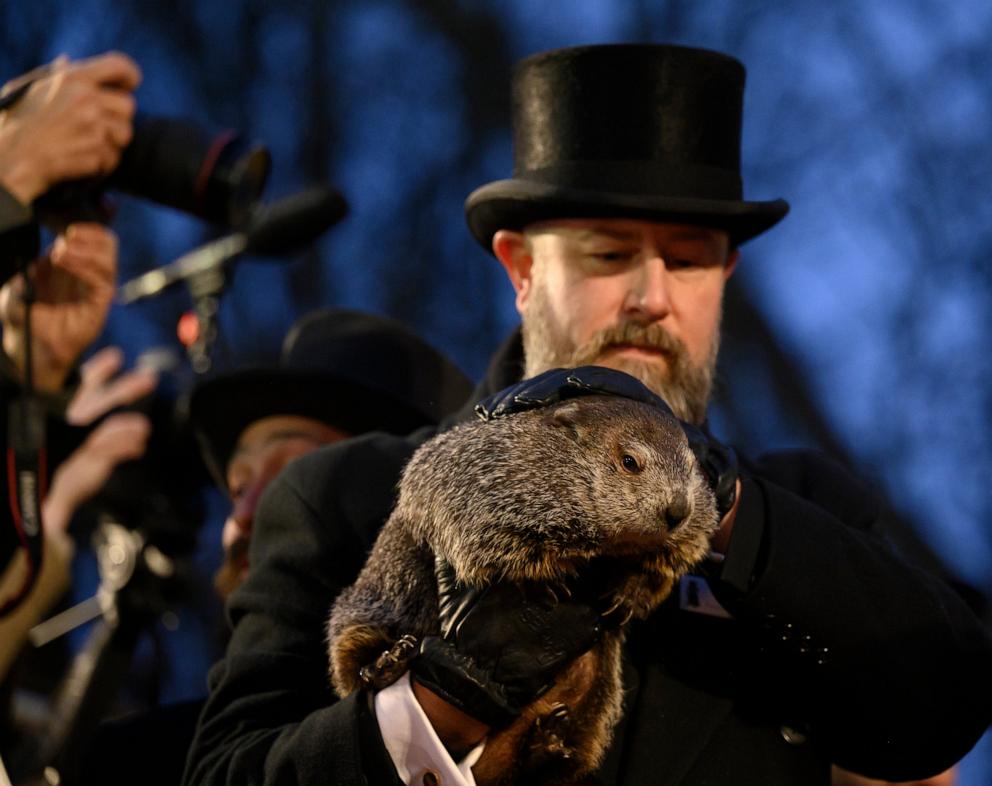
(885, 665)
(271, 717)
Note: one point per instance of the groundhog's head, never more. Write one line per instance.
(598, 491)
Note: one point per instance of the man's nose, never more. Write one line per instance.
(243, 512)
(649, 297)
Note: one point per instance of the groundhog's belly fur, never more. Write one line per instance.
(540, 495)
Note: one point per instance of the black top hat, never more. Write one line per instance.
(633, 131)
(357, 372)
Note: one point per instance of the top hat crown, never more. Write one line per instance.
(636, 131)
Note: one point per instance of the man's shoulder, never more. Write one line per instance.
(803, 468)
(369, 464)
(822, 479)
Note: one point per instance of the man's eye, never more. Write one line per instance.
(682, 264)
(613, 256)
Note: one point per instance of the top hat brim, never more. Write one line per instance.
(515, 203)
(223, 407)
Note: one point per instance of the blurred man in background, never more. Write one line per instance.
(341, 374)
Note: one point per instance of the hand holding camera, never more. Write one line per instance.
(72, 121)
(73, 287)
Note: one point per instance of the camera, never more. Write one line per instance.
(214, 175)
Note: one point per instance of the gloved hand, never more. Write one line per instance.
(717, 461)
(560, 384)
(501, 646)
(719, 465)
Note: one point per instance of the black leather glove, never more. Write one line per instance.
(719, 465)
(501, 646)
(718, 461)
(560, 384)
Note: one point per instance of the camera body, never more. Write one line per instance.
(214, 175)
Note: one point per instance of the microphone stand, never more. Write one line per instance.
(204, 271)
(205, 287)
(138, 582)
(278, 228)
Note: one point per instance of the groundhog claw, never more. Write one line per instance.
(389, 666)
(618, 614)
(617, 603)
(552, 730)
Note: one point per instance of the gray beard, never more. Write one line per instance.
(684, 386)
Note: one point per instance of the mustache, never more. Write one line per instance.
(652, 336)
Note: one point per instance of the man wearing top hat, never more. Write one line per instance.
(804, 641)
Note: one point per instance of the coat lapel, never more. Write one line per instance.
(666, 724)
(669, 727)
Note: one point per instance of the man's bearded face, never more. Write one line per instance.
(684, 385)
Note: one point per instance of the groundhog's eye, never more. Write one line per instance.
(630, 463)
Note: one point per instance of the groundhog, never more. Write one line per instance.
(602, 487)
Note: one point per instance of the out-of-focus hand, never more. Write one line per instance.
(121, 437)
(100, 390)
(73, 122)
(74, 286)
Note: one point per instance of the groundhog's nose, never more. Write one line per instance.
(676, 512)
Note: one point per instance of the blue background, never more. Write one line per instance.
(860, 325)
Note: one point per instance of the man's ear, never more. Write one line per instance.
(731, 264)
(513, 252)
(569, 416)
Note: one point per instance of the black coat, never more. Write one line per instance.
(837, 652)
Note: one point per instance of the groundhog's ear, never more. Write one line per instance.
(569, 416)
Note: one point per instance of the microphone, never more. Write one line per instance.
(280, 228)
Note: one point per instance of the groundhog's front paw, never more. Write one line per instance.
(551, 732)
(389, 666)
(618, 613)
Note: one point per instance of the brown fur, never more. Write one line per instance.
(540, 495)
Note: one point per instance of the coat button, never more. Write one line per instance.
(791, 736)
(430, 778)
